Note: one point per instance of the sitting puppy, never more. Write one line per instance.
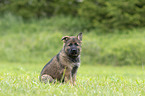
(63, 67)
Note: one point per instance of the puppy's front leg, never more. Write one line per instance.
(74, 79)
(68, 77)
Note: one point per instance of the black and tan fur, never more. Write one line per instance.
(63, 67)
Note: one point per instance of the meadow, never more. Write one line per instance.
(22, 80)
(111, 63)
(38, 40)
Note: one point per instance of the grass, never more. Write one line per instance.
(36, 41)
(26, 46)
(22, 80)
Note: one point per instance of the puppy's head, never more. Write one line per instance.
(72, 45)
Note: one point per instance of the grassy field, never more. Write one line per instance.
(27, 45)
(38, 40)
(22, 80)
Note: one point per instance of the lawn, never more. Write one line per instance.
(38, 40)
(112, 64)
(22, 80)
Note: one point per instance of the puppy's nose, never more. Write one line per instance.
(74, 50)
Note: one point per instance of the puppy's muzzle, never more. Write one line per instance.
(73, 51)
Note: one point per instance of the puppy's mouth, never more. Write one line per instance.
(73, 53)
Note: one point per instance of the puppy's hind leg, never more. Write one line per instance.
(46, 78)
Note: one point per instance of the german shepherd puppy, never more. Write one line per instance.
(63, 67)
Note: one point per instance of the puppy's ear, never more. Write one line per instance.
(65, 38)
(80, 36)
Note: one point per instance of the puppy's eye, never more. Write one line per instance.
(76, 44)
(70, 44)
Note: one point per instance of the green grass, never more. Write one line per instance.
(22, 80)
(26, 46)
(38, 40)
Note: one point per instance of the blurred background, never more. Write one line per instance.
(113, 30)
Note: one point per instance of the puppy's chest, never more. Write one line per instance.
(73, 64)
(74, 70)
